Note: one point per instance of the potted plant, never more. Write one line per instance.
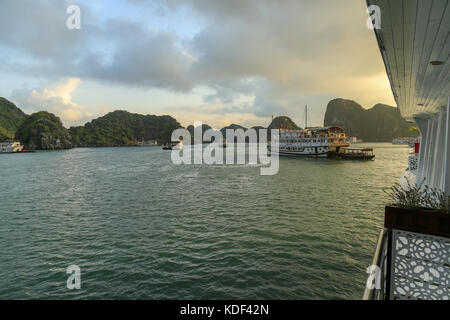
(419, 209)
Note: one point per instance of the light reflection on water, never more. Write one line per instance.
(141, 227)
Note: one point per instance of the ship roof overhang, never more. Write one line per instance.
(414, 42)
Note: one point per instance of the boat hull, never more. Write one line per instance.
(357, 157)
(303, 154)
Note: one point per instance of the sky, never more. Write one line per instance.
(215, 61)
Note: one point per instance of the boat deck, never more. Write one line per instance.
(421, 267)
(356, 153)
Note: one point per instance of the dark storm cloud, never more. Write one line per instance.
(291, 48)
(37, 29)
(141, 58)
(117, 51)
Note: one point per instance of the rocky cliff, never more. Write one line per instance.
(122, 128)
(43, 131)
(11, 117)
(381, 123)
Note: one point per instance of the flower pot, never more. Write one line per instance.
(420, 220)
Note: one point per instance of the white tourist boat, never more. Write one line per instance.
(319, 142)
(10, 147)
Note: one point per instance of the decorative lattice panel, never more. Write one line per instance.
(421, 267)
(413, 162)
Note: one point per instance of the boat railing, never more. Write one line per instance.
(366, 151)
(411, 257)
(337, 142)
(376, 282)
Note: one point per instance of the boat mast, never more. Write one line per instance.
(306, 116)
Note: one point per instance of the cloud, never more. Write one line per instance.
(304, 46)
(116, 51)
(149, 59)
(255, 56)
(57, 99)
(37, 29)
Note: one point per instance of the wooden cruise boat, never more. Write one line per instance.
(356, 153)
(319, 142)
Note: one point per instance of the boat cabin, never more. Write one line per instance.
(356, 153)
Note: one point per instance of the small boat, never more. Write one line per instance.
(176, 145)
(10, 146)
(356, 153)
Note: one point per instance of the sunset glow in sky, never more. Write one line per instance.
(219, 62)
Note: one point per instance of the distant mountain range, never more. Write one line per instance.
(381, 123)
(45, 131)
(277, 123)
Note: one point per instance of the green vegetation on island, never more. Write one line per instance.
(11, 117)
(283, 123)
(122, 128)
(43, 131)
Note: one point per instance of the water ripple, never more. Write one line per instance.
(142, 228)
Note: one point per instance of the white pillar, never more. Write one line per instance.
(430, 150)
(426, 145)
(446, 164)
(424, 127)
(438, 152)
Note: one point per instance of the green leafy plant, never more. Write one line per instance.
(418, 196)
(414, 130)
